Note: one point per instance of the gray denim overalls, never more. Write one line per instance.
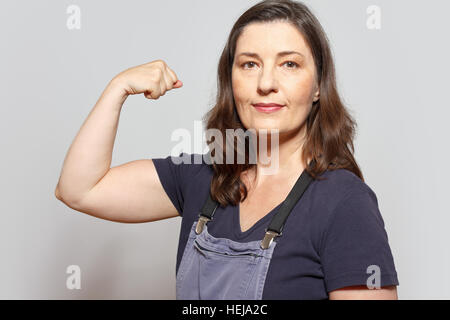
(222, 269)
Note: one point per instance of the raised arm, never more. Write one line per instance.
(131, 192)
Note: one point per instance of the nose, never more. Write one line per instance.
(267, 81)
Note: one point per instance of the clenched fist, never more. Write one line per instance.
(153, 79)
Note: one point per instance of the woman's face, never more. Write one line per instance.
(265, 77)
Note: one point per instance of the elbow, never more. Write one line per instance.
(58, 194)
(69, 201)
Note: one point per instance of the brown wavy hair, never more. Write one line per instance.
(330, 129)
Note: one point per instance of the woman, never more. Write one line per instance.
(310, 230)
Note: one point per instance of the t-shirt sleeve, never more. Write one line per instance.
(174, 172)
(356, 249)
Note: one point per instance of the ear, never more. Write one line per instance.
(316, 95)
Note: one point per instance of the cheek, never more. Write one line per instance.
(239, 88)
(300, 91)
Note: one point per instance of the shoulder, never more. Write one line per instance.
(337, 186)
(185, 166)
(343, 201)
(343, 179)
(353, 206)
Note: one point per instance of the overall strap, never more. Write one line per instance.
(206, 214)
(277, 223)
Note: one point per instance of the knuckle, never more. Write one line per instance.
(160, 63)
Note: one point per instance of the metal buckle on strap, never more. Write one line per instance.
(202, 220)
(268, 238)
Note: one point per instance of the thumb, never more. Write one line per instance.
(178, 84)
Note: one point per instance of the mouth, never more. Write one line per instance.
(267, 107)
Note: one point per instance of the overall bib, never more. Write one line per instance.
(222, 269)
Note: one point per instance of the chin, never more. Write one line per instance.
(264, 129)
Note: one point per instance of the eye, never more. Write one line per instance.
(246, 63)
(293, 63)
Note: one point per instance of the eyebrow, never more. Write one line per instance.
(279, 54)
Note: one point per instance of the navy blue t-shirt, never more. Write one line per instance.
(330, 239)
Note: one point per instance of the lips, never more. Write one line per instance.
(267, 107)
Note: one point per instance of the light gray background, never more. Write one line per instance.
(394, 81)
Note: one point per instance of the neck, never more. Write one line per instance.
(286, 157)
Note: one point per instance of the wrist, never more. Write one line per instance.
(117, 89)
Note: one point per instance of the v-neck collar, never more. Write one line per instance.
(237, 225)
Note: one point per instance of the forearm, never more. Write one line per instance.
(89, 156)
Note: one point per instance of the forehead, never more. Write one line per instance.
(268, 38)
